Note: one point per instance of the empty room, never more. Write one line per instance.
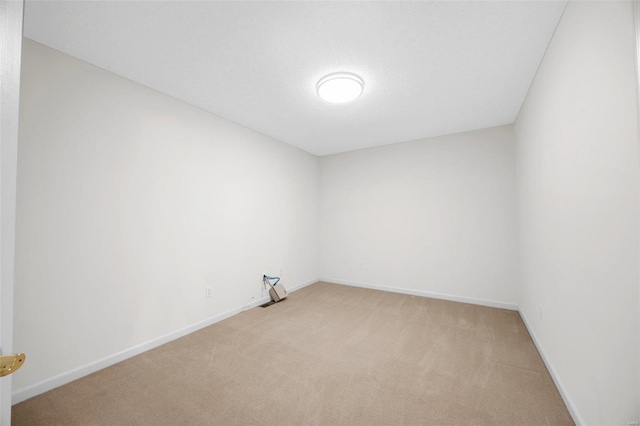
(319, 213)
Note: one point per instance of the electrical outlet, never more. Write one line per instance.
(361, 264)
(540, 312)
(208, 292)
(633, 423)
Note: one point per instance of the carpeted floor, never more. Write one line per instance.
(328, 355)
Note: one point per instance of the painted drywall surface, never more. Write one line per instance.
(130, 203)
(435, 215)
(577, 167)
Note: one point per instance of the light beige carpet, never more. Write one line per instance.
(328, 355)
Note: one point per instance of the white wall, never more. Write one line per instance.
(435, 215)
(130, 203)
(577, 164)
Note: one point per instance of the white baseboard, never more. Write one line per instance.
(482, 302)
(69, 376)
(577, 418)
(303, 285)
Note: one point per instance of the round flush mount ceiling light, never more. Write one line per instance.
(340, 87)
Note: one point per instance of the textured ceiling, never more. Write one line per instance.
(430, 68)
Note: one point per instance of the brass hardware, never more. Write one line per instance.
(10, 363)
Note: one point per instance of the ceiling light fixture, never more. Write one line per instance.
(340, 87)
